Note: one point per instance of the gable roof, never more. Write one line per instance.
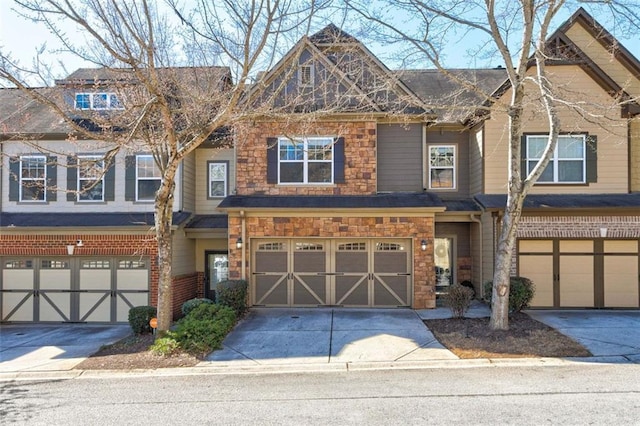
(22, 115)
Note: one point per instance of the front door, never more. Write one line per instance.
(216, 270)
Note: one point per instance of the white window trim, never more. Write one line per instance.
(138, 178)
(43, 179)
(79, 180)
(92, 102)
(454, 167)
(555, 160)
(311, 82)
(305, 161)
(225, 179)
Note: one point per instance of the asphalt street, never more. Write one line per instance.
(569, 395)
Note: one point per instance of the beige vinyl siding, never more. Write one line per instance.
(612, 144)
(634, 155)
(460, 139)
(400, 158)
(208, 244)
(189, 183)
(183, 258)
(61, 205)
(475, 160)
(604, 59)
(205, 205)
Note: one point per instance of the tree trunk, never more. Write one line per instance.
(163, 224)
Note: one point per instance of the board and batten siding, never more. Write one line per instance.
(59, 149)
(400, 157)
(604, 59)
(188, 183)
(460, 139)
(204, 204)
(612, 151)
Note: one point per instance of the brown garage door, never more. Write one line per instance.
(360, 273)
(582, 273)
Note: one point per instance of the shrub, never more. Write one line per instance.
(521, 291)
(233, 293)
(204, 328)
(139, 317)
(469, 284)
(189, 305)
(165, 346)
(458, 299)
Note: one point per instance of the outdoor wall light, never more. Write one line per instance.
(423, 245)
(239, 243)
(70, 249)
(79, 243)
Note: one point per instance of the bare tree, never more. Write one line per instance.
(518, 32)
(180, 76)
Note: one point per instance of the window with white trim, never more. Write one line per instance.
(148, 178)
(305, 76)
(217, 179)
(442, 167)
(568, 164)
(305, 160)
(97, 101)
(90, 178)
(33, 178)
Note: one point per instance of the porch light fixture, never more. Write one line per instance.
(423, 245)
(603, 232)
(79, 243)
(70, 249)
(239, 243)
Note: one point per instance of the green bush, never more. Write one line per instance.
(233, 293)
(165, 346)
(458, 299)
(189, 305)
(204, 328)
(521, 292)
(139, 317)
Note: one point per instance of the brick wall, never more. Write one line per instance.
(417, 228)
(185, 287)
(360, 158)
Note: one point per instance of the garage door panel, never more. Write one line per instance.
(352, 290)
(576, 281)
(620, 282)
(390, 262)
(55, 279)
(17, 306)
(390, 291)
(54, 306)
(309, 290)
(125, 301)
(95, 307)
(271, 262)
(132, 279)
(95, 279)
(539, 269)
(310, 262)
(351, 262)
(271, 290)
(21, 279)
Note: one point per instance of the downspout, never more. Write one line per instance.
(477, 220)
(243, 273)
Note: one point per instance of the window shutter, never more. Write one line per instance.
(592, 158)
(272, 160)
(72, 178)
(338, 161)
(14, 179)
(52, 178)
(523, 157)
(130, 178)
(110, 181)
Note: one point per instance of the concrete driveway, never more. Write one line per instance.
(53, 347)
(610, 335)
(325, 335)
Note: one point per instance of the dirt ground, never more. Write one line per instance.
(467, 338)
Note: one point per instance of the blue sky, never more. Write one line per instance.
(22, 38)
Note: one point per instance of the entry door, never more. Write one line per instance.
(216, 270)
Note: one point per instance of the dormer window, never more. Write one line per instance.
(305, 76)
(97, 101)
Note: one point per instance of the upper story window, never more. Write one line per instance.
(97, 101)
(305, 76)
(90, 178)
(218, 179)
(33, 178)
(305, 160)
(568, 164)
(148, 178)
(442, 167)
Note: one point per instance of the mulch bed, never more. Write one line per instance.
(470, 338)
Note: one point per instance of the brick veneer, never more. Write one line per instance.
(417, 228)
(360, 155)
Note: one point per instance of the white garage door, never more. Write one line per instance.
(360, 273)
(72, 289)
(582, 273)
